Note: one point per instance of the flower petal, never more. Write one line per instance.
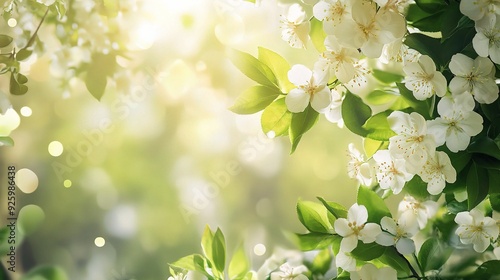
(297, 100)
(299, 75)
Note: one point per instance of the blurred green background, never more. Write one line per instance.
(160, 156)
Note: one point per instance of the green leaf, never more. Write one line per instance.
(6, 141)
(431, 6)
(374, 204)
(276, 118)
(392, 258)
(367, 252)
(5, 40)
(378, 128)
(433, 254)
(322, 262)
(313, 216)
(279, 66)
(456, 43)
(219, 251)
(317, 34)
(459, 160)
(453, 206)
(207, 243)
(387, 77)
(23, 54)
(417, 188)
(315, 240)
(254, 99)
(485, 145)
(4, 243)
(372, 146)
(431, 23)
(193, 262)
(492, 112)
(380, 97)
(425, 45)
(494, 178)
(16, 87)
(419, 106)
(30, 217)
(477, 185)
(337, 210)
(239, 265)
(487, 270)
(451, 18)
(355, 113)
(300, 124)
(98, 70)
(253, 68)
(495, 201)
(45, 272)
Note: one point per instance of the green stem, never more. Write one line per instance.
(32, 39)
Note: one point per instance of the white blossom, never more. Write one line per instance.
(358, 168)
(416, 213)
(398, 52)
(332, 13)
(474, 228)
(423, 79)
(370, 29)
(457, 122)
(479, 9)
(311, 88)
(371, 272)
(295, 26)
(345, 261)
(391, 172)
(437, 171)
(355, 228)
(476, 76)
(486, 42)
(397, 233)
(412, 141)
(334, 112)
(360, 77)
(338, 59)
(289, 272)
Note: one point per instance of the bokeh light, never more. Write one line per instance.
(99, 241)
(26, 180)
(26, 111)
(55, 148)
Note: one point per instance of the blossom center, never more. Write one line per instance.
(356, 229)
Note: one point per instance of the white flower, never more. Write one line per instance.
(360, 77)
(457, 122)
(345, 261)
(338, 59)
(358, 168)
(9, 121)
(371, 272)
(397, 6)
(423, 79)
(332, 13)
(355, 228)
(295, 27)
(289, 272)
(437, 171)
(370, 29)
(478, 9)
(487, 39)
(334, 112)
(391, 173)
(412, 142)
(397, 233)
(474, 228)
(476, 76)
(311, 87)
(398, 52)
(415, 213)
